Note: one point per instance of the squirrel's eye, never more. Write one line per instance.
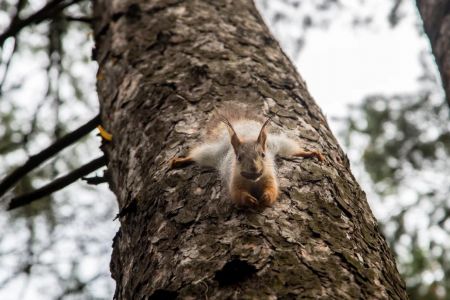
(239, 158)
(263, 154)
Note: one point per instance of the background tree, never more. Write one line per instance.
(436, 22)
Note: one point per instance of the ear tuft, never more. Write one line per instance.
(235, 141)
(262, 137)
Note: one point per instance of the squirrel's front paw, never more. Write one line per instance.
(248, 200)
(179, 162)
(319, 155)
(268, 199)
(173, 163)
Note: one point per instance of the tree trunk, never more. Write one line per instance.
(163, 67)
(436, 21)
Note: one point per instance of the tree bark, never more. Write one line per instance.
(163, 67)
(436, 22)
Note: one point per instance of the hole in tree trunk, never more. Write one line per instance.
(163, 295)
(235, 271)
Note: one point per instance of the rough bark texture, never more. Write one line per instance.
(164, 65)
(436, 21)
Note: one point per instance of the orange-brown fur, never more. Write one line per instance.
(246, 193)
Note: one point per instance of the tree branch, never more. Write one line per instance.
(19, 6)
(44, 13)
(435, 16)
(57, 184)
(81, 19)
(37, 159)
(96, 180)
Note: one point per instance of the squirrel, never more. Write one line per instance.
(243, 150)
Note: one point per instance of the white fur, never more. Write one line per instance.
(281, 144)
(219, 153)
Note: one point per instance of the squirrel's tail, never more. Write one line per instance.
(233, 112)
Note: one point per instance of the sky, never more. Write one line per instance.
(341, 65)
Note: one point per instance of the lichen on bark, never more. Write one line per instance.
(163, 67)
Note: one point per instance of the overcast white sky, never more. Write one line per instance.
(342, 65)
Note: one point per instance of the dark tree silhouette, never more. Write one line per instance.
(436, 21)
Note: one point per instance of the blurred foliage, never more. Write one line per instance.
(291, 20)
(406, 153)
(49, 249)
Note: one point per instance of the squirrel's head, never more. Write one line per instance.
(250, 155)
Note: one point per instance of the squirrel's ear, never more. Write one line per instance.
(263, 135)
(235, 141)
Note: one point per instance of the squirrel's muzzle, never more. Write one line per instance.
(251, 176)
